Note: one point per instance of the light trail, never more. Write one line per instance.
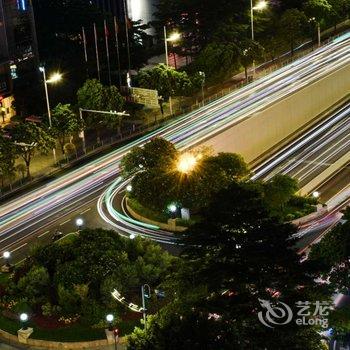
(42, 204)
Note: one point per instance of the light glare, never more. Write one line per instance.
(261, 5)
(186, 163)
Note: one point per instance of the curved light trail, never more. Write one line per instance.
(19, 217)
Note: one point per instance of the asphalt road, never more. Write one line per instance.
(63, 199)
(313, 152)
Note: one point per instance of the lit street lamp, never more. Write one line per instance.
(172, 38)
(316, 194)
(79, 222)
(261, 5)
(55, 78)
(7, 267)
(186, 163)
(23, 318)
(110, 319)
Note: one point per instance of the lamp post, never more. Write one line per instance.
(79, 222)
(202, 75)
(7, 267)
(144, 296)
(110, 319)
(316, 194)
(56, 77)
(6, 255)
(173, 37)
(261, 5)
(23, 318)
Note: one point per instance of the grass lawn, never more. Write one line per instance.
(159, 217)
(71, 333)
(146, 212)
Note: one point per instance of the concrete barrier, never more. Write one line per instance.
(258, 133)
(170, 226)
(46, 344)
(326, 174)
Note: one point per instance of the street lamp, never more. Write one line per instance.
(79, 222)
(261, 5)
(132, 236)
(202, 75)
(6, 255)
(129, 188)
(316, 194)
(144, 296)
(7, 267)
(172, 38)
(23, 318)
(54, 78)
(186, 163)
(110, 319)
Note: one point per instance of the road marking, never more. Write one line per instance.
(85, 211)
(21, 246)
(17, 263)
(43, 234)
(65, 222)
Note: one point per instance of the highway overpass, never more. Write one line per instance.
(36, 214)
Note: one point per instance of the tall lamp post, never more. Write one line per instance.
(54, 78)
(261, 5)
(144, 296)
(172, 38)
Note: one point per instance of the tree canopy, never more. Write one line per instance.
(235, 256)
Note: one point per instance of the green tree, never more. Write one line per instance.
(278, 192)
(64, 123)
(34, 284)
(7, 159)
(159, 182)
(29, 138)
(166, 80)
(333, 255)
(90, 95)
(319, 11)
(235, 256)
(94, 96)
(158, 153)
(251, 51)
(292, 27)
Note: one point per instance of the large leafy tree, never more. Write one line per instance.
(158, 181)
(29, 138)
(64, 123)
(292, 27)
(333, 254)
(236, 255)
(95, 96)
(7, 158)
(166, 80)
(318, 11)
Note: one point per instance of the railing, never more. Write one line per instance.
(105, 143)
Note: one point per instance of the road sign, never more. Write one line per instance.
(145, 97)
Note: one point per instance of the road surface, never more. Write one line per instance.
(47, 207)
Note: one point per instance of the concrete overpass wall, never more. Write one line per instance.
(263, 130)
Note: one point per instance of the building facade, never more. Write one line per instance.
(136, 9)
(18, 47)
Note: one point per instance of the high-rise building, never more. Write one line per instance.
(136, 9)
(18, 47)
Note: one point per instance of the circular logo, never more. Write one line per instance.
(274, 314)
